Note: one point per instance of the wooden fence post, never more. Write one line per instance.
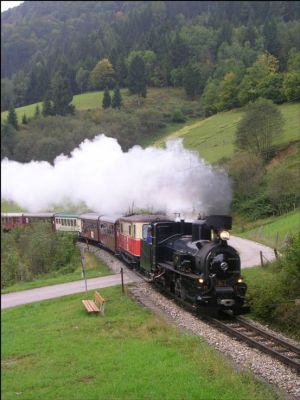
(122, 280)
(261, 258)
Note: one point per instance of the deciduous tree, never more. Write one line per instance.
(102, 75)
(261, 123)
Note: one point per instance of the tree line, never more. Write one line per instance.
(205, 47)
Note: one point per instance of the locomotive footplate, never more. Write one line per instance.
(176, 271)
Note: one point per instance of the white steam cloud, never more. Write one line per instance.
(110, 181)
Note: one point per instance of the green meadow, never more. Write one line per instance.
(273, 231)
(214, 137)
(54, 350)
(93, 266)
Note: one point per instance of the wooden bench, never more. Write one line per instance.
(96, 306)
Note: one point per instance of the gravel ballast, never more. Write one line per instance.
(272, 371)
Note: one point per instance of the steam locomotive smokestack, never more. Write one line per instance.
(182, 226)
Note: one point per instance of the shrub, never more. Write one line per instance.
(272, 299)
(35, 250)
(178, 116)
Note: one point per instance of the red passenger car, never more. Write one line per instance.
(108, 232)
(31, 218)
(11, 220)
(90, 226)
(130, 231)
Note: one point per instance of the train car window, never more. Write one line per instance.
(134, 231)
(129, 230)
(145, 231)
(121, 228)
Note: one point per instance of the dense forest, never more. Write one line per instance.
(228, 52)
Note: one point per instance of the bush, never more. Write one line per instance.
(36, 250)
(272, 299)
(255, 208)
(178, 116)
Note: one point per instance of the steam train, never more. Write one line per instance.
(191, 260)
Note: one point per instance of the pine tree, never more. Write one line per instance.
(8, 139)
(61, 95)
(117, 99)
(106, 102)
(37, 111)
(137, 77)
(24, 119)
(47, 106)
(12, 117)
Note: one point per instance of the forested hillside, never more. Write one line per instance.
(231, 52)
(138, 70)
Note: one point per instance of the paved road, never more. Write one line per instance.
(49, 292)
(249, 253)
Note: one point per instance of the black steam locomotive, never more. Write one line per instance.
(194, 262)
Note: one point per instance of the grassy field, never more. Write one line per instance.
(214, 137)
(29, 111)
(54, 350)
(94, 269)
(168, 99)
(271, 231)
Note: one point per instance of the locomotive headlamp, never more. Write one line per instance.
(201, 280)
(224, 235)
(240, 280)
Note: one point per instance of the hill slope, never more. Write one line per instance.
(214, 137)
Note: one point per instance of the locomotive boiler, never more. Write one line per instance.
(195, 262)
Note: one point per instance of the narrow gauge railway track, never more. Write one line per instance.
(255, 337)
(239, 328)
(245, 331)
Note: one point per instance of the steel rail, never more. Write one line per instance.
(233, 331)
(281, 342)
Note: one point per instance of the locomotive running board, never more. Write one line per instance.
(172, 269)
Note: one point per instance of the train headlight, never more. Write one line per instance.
(240, 280)
(224, 235)
(201, 280)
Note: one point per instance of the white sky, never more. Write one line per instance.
(5, 5)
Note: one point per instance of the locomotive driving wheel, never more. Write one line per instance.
(179, 289)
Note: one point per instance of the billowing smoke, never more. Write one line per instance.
(110, 181)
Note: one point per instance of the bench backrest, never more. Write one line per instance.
(99, 299)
